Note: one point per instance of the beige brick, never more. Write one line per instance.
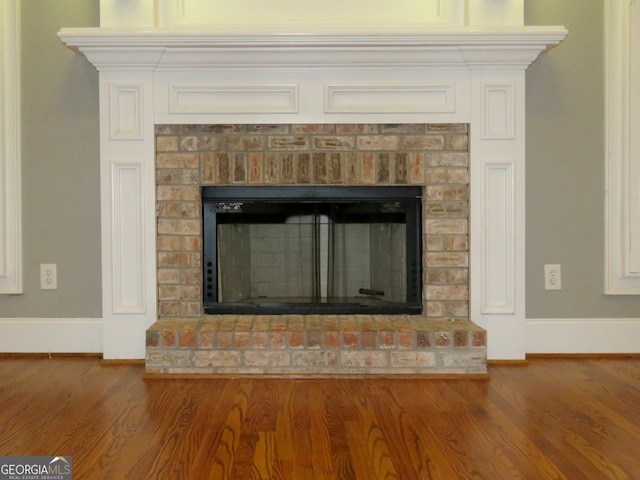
(241, 339)
(439, 226)
(364, 358)
(178, 292)
(239, 168)
(217, 358)
(435, 309)
(319, 168)
(193, 243)
(266, 358)
(457, 176)
(462, 358)
(479, 338)
(178, 259)
(447, 259)
(456, 242)
(313, 128)
(413, 359)
(259, 339)
(168, 275)
(356, 129)
(383, 169)
(457, 309)
(456, 142)
(334, 167)
(447, 159)
(178, 177)
(177, 160)
(378, 142)
(191, 308)
(287, 173)
(423, 142)
(207, 169)
(303, 167)
(288, 142)
(175, 226)
(448, 292)
(405, 340)
(367, 168)
(179, 192)
(447, 127)
(416, 168)
(316, 358)
(332, 339)
(242, 143)
(271, 169)
(436, 176)
(173, 358)
(168, 309)
(168, 242)
(278, 339)
(256, 164)
(336, 142)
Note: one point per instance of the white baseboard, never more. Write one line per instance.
(50, 335)
(582, 335)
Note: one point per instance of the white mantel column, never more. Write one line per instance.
(128, 211)
(497, 209)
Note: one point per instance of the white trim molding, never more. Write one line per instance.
(10, 203)
(50, 335)
(622, 153)
(582, 335)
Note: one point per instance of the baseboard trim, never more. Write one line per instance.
(585, 336)
(51, 335)
(582, 356)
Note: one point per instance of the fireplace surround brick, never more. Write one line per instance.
(434, 156)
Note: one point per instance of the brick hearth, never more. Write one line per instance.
(434, 156)
(313, 345)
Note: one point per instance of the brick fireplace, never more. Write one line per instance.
(433, 156)
(463, 84)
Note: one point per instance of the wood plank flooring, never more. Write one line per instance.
(552, 419)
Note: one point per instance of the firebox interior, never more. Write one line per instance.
(312, 249)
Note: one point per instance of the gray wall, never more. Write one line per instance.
(565, 166)
(60, 165)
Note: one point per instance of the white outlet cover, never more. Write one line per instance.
(48, 276)
(552, 277)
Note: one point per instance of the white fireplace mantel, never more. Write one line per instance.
(323, 74)
(321, 47)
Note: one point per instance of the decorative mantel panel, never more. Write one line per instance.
(264, 75)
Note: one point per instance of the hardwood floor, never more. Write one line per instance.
(553, 419)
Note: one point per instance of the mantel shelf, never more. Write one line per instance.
(151, 48)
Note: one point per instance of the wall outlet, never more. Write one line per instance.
(552, 277)
(48, 276)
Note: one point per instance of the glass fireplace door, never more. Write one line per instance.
(343, 254)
